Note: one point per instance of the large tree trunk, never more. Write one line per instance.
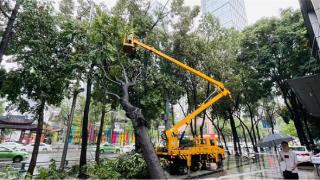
(202, 124)
(195, 107)
(299, 127)
(234, 133)
(311, 141)
(35, 151)
(220, 133)
(245, 139)
(103, 113)
(84, 143)
(9, 29)
(172, 114)
(305, 122)
(166, 113)
(258, 135)
(248, 130)
(254, 144)
(292, 105)
(69, 125)
(190, 110)
(297, 119)
(204, 112)
(139, 125)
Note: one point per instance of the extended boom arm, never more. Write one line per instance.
(131, 42)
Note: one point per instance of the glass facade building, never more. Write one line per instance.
(311, 14)
(230, 13)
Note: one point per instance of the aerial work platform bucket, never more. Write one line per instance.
(128, 45)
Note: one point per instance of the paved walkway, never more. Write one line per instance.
(267, 167)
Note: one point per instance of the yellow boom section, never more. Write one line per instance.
(131, 42)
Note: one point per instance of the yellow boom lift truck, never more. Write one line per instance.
(203, 150)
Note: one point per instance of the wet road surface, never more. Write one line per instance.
(265, 167)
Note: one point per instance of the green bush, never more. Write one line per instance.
(51, 173)
(74, 171)
(128, 166)
(105, 170)
(132, 166)
(8, 172)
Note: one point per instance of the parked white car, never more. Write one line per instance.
(12, 145)
(128, 148)
(42, 147)
(303, 155)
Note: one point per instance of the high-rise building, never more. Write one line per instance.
(311, 14)
(230, 13)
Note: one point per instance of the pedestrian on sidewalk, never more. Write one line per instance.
(288, 162)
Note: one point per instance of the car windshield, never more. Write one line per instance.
(4, 149)
(298, 148)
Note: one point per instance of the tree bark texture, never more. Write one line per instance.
(84, 139)
(292, 105)
(195, 100)
(245, 139)
(258, 135)
(245, 127)
(9, 29)
(220, 132)
(166, 113)
(234, 133)
(35, 151)
(172, 114)
(141, 132)
(254, 144)
(298, 121)
(69, 125)
(103, 113)
(204, 112)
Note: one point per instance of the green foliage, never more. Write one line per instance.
(74, 171)
(52, 172)
(105, 170)
(67, 7)
(129, 166)
(289, 129)
(8, 172)
(41, 49)
(276, 50)
(132, 166)
(2, 108)
(54, 50)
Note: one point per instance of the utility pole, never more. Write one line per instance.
(69, 125)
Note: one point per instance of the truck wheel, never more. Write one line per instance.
(17, 159)
(220, 162)
(204, 166)
(195, 167)
(182, 170)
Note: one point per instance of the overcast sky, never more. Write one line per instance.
(257, 9)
